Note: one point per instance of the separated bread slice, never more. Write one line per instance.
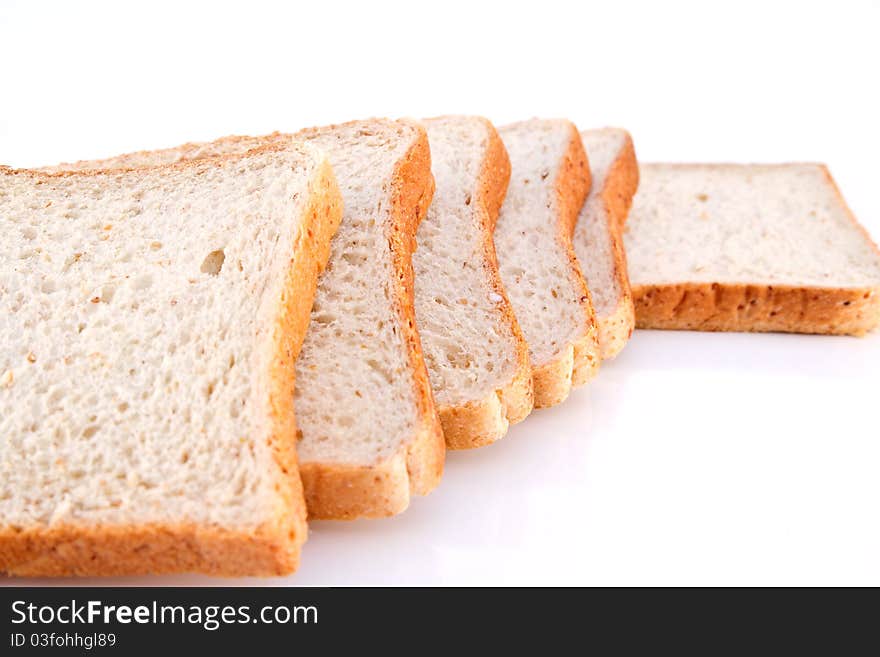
(731, 247)
(477, 358)
(598, 242)
(369, 435)
(149, 323)
(549, 180)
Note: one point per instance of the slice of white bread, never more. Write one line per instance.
(149, 323)
(369, 432)
(731, 247)
(478, 360)
(598, 242)
(550, 178)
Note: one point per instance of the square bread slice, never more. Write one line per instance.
(598, 242)
(369, 434)
(477, 357)
(149, 324)
(761, 247)
(549, 181)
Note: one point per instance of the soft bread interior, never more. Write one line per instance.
(137, 332)
(592, 236)
(357, 403)
(469, 345)
(533, 263)
(752, 224)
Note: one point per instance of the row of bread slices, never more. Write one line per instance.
(186, 278)
(520, 289)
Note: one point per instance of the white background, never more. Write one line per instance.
(693, 458)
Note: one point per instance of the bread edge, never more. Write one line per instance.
(621, 183)
(272, 548)
(757, 308)
(344, 491)
(480, 422)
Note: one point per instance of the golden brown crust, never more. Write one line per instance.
(413, 189)
(517, 397)
(474, 424)
(575, 366)
(493, 182)
(478, 423)
(739, 307)
(340, 491)
(272, 548)
(75, 550)
(616, 328)
(552, 380)
(621, 183)
(761, 308)
(310, 253)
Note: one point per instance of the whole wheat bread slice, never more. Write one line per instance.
(598, 242)
(731, 247)
(477, 358)
(550, 178)
(369, 434)
(149, 323)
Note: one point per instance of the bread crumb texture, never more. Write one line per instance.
(469, 343)
(137, 333)
(544, 286)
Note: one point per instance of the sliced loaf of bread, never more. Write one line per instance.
(732, 247)
(477, 358)
(598, 242)
(149, 324)
(550, 178)
(369, 434)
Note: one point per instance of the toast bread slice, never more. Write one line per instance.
(151, 320)
(550, 179)
(477, 357)
(388, 444)
(760, 247)
(598, 239)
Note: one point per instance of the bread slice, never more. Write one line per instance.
(370, 432)
(549, 180)
(477, 358)
(732, 247)
(149, 323)
(598, 242)
(369, 435)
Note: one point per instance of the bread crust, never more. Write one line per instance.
(760, 307)
(272, 548)
(742, 307)
(579, 362)
(343, 491)
(108, 550)
(477, 423)
(621, 183)
(616, 328)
